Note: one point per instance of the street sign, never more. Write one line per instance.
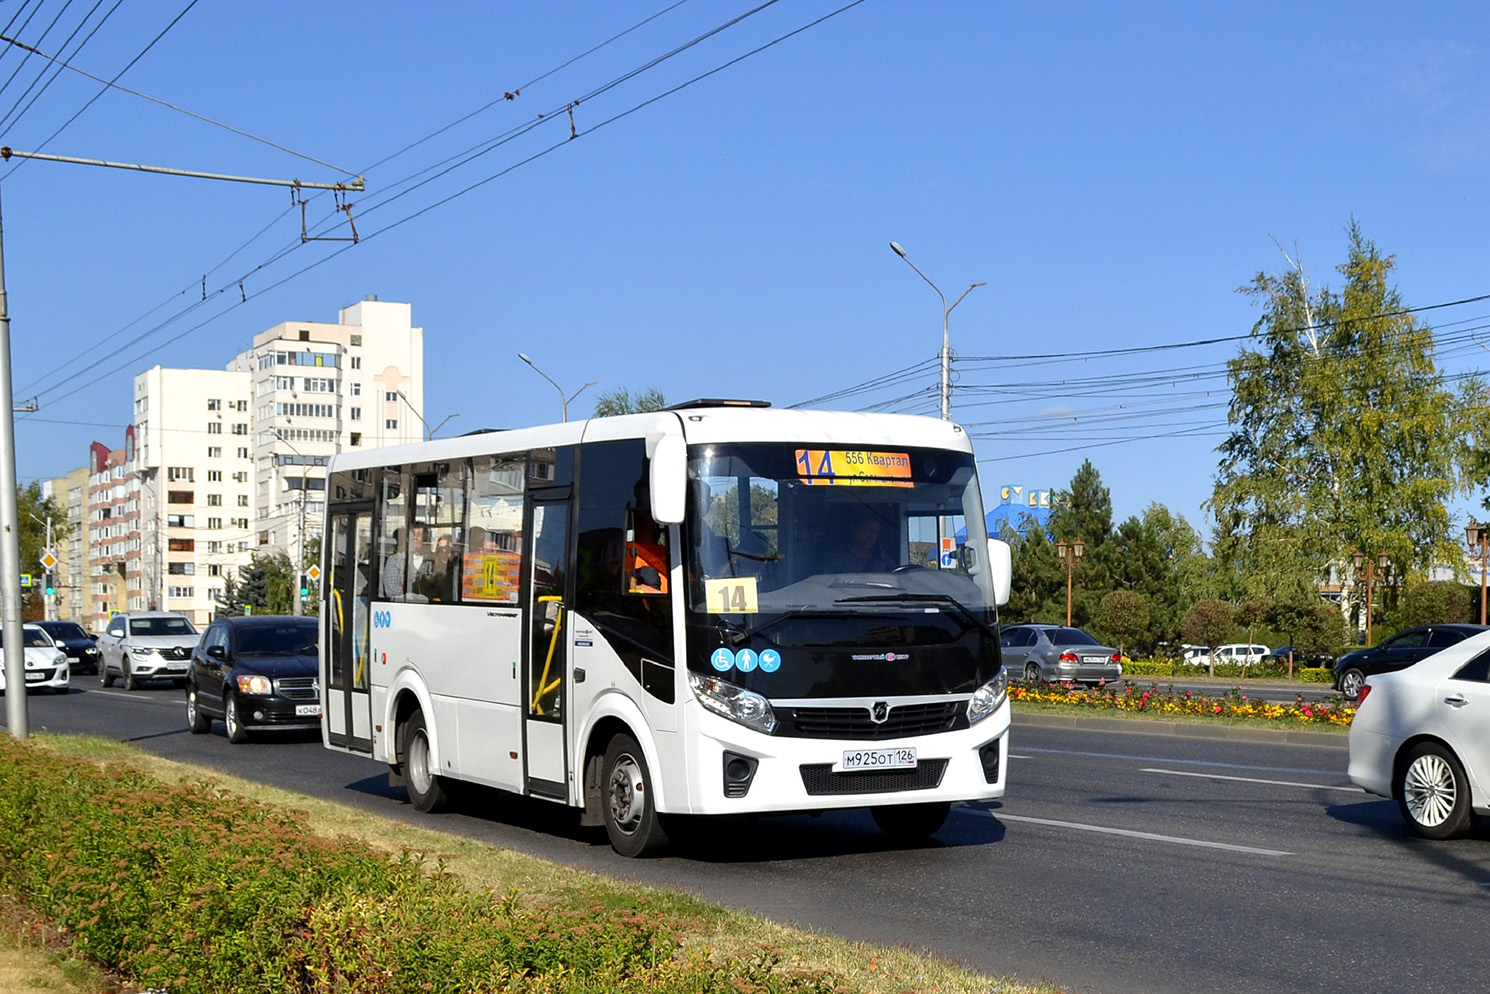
(314, 573)
(25, 579)
(48, 561)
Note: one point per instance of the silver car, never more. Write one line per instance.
(146, 645)
(1058, 654)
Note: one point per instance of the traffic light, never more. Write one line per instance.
(304, 594)
(50, 587)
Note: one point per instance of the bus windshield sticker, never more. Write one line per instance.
(746, 660)
(854, 468)
(770, 661)
(722, 660)
(732, 595)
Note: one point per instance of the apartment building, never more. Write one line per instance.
(317, 389)
(112, 534)
(70, 544)
(194, 467)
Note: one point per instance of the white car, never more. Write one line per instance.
(146, 645)
(1238, 653)
(1422, 736)
(46, 663)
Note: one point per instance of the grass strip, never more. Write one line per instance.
(439, 912)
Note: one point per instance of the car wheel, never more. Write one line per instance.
(911, 822)
(1032, 674)
(1350, 683)
(1433, 792)
(426, 792)
(631, 818)
(237, 734)
(105, 678)
(130, 683)
(198, 722)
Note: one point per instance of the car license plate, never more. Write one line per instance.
(903, 758)
(35, 676)
(307, 710)
(1094, 659)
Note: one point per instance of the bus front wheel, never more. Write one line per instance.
(631, 818)
(426, 792)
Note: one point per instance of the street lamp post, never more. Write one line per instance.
(1070, 556)
(1478, 538)
(563, 399)
(946, 354)
(429, 433)
(1373, 570)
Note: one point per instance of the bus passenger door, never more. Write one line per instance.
(546, 656)
(346, 699)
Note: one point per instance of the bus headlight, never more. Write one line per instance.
(734, 703)
(987, 698)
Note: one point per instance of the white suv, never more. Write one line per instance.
(146, 645)
(1240, 653)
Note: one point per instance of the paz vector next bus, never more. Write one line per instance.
(714, 609)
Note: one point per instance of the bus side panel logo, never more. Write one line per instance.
(382, 619)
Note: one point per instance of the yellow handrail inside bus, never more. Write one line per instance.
(544, 687)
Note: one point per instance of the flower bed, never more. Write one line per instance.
(1234, 704)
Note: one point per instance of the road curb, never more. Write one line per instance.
(1180, 729)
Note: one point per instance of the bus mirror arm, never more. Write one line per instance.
(667, 479)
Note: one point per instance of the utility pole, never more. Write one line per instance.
(16, 714)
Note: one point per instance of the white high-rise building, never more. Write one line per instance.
(318, 388)
(194, 462)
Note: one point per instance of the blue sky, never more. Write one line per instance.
(1113, 171)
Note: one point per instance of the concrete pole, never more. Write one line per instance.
(17, 718)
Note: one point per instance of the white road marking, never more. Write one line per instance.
(142, 698)
(1273, 783)
(1129, 833)
(1172, 759)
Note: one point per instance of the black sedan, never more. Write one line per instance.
(1396, 653)
(81, 649)
(254, 672)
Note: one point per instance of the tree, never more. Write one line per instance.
(1083, 510)
(1343, 435)
(1433, 602)
(1159, 556)
(32, 512)
(620, 401)
(1124, 616)
(1038, 590)
(1209, 623)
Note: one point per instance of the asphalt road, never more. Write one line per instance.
(1119, 861)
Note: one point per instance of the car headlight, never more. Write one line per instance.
(735, 703)
(92, 650)
(251, 684)
(987, 698)
(60, 659)
(140, 650)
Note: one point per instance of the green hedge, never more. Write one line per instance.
(1262, 671)
(195, 889)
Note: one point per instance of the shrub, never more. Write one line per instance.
(195, 889)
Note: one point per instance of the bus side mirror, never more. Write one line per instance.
(668, 479)
(1001, 565)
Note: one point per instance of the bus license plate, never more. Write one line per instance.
(903, 758)
(307, 710)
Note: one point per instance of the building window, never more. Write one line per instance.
(181, 569)
(240, 523)
(181, 521)
(263, 538)
(243, 500)
(180, 496)
(214, 427)
(356, 362)
(179, 474)
(180, 593)
(356, 390)
(390, 395)
(214, 523)
(240, 429)
(240, 477)
(214, 476)
(356, 438)
(214, 452)
(356, 339)
(214, 500)
(214, 404)
(182, 544)
(391, 424)
(243, 452)
(356, 414)
(214, 570)
(241, 405)
(214, 546)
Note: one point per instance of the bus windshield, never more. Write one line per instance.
(790, 544)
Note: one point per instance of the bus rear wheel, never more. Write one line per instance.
(426, 792)
(911, 822)
(631, 818)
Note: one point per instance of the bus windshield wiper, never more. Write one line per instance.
(926, 598)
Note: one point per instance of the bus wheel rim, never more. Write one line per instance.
(626, 800)
(419, 775)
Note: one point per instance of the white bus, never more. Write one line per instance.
(714, 609)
